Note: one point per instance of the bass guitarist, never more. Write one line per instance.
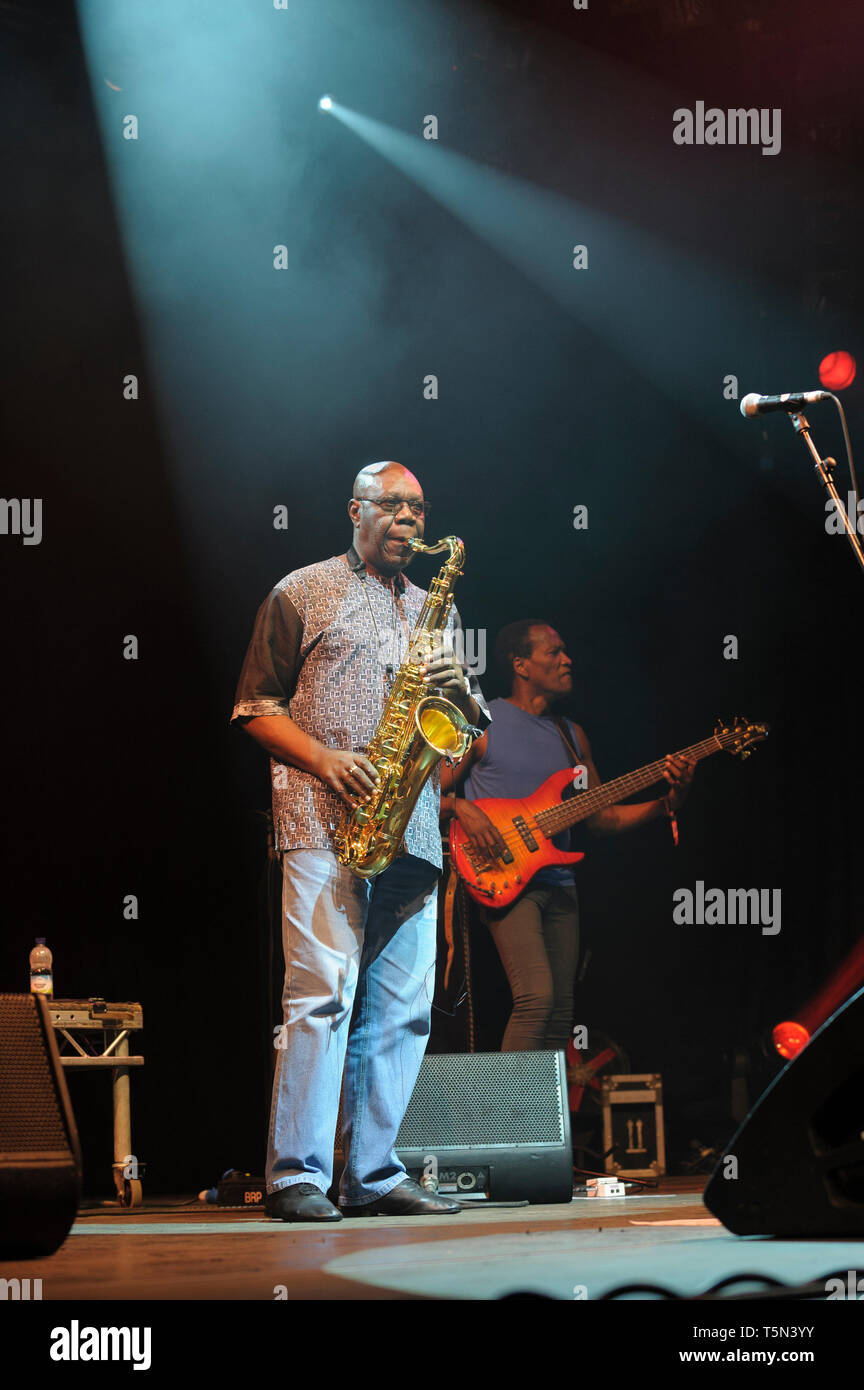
(537, 937)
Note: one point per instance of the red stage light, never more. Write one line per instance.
(837, 371)
(789, 1038)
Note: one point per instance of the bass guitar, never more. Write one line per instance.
(527, 826)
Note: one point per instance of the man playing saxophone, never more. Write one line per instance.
(327, 646)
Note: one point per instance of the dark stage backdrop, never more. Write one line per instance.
(259, 390)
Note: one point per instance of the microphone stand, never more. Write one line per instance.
(824, 471)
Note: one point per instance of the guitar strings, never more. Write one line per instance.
(553, 814)
(635, 780)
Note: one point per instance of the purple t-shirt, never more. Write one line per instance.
(522, 750)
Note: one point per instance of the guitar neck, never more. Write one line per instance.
(567, 813)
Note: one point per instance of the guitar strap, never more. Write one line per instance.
(573, 756)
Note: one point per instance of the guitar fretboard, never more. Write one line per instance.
(557, 818)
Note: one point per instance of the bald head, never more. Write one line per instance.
(376, 478)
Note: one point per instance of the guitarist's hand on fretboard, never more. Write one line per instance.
(679, 774)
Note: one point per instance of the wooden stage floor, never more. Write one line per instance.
(170, 1249)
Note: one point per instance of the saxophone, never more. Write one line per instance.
(415, 731)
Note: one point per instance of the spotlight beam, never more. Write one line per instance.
(670, 315)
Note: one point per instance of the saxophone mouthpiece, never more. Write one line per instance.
(451, 543)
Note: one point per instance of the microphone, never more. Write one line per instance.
(790, 401)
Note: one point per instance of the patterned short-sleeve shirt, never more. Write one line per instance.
(321, 647)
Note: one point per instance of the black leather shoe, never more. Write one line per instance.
(408, 1198)
(301, 1201)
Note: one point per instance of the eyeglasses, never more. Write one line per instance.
(394, 505)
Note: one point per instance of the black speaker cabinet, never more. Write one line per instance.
(796, 1165)
(491, 1122)
(40, 1160)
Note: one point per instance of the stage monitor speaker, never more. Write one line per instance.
(796, 1165)
(40, 1159)
(491, 1122)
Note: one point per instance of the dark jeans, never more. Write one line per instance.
(538, 942)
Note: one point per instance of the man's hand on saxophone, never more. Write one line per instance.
(350, 774)
(443, 671)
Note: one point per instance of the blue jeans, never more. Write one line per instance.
(359, 978)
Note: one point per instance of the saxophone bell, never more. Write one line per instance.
(443, 726)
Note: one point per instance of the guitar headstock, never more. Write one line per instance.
(741, 737)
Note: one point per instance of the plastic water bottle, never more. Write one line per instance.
(41, 978)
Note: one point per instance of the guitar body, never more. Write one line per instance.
(498, 882)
